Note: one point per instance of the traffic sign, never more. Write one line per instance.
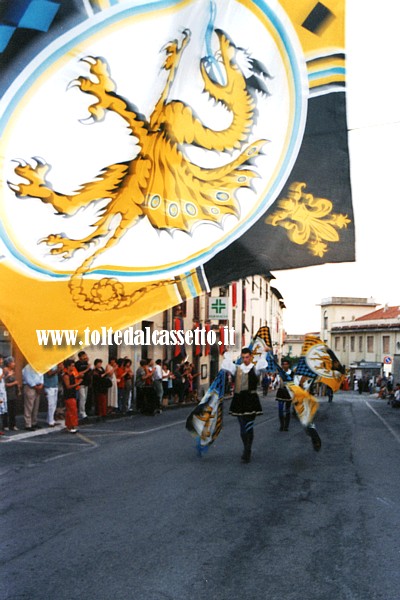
(388, 360)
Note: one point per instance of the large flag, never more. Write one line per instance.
(323, 362)
(141, 139)
(317, 364)
(312, 220)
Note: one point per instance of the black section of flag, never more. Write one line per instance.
(323, 165)
(317, 18)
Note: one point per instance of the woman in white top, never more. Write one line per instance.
(112, 401)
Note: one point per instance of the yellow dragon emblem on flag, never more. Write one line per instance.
(161, 183)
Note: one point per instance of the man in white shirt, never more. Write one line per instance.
(246, 404)
(157, 384)
(33, 385)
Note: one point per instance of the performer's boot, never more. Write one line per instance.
(315, 439)
(286, 422)
(282, 422)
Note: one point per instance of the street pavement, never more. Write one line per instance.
(126, 510)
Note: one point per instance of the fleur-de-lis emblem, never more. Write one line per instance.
(308, 220)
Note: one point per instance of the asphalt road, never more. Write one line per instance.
(126, 510)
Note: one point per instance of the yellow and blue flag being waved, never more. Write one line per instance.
(205, 421)
(140, 140)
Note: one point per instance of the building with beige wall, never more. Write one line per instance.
(339, 309)
(370, 343)
(292, 345)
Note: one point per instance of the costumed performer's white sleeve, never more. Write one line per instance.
(261, 365)
(228, 364)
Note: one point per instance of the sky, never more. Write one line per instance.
(373, 107)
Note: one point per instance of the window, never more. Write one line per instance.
(325, 320)
(352, 343)
(386, 344)
(370, 343)
(337, 342)
(360, 344)
(344, 344)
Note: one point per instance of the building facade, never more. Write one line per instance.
(368, 344)
(342, 309)
(292, 345)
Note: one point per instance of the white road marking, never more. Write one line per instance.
(30, 434)
(128, 432)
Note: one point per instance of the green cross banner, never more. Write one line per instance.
(218, 308)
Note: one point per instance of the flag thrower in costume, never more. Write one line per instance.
(205, 421)
(317, 364)
(305, 404)
(245, 403)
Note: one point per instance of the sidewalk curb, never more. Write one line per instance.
(91, 420)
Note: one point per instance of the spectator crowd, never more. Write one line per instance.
(77, 389)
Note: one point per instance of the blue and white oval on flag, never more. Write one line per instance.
(144, 141)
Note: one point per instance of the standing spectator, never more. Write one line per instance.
(70, 383)
(371, 384)
(149, 368)
(50, 381)
(33, 386)
(192, 376)
(178, 384)
(185, 369)
(119, 374)
(13, 388)
(389, 384)
(3, 397)
(167, 384)
(157, 384)
(150, 399)
(140, 382)
(112, 400)
(83, 367)
(128, 383)
(100, 388)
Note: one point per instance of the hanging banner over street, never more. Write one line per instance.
(140, 141)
